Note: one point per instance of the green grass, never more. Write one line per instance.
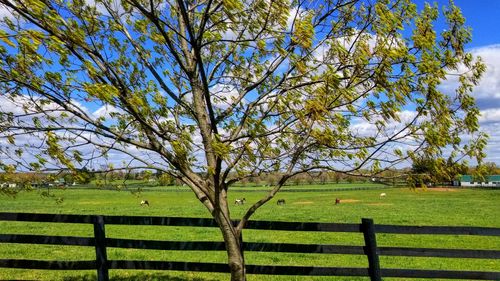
(463, 207)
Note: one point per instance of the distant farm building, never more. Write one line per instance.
(8, 185)
(490, 181)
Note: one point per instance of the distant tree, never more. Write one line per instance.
(337, 177)
(490, 168)
(165, 180)
(427, 170)
(298, 179)
(145, 175)
(349, 179)
(213, 92)
(84, 176)
(310, 178)
(273, 179)
(481, 172)
(68, 178)
(323, 177)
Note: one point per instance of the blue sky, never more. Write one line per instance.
(484, 18)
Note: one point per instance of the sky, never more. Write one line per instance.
(483, 16)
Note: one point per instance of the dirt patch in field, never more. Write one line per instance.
(349, 201)
(442, 189)
(380, 204)
(303, 202)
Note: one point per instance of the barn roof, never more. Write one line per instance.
(490, 178)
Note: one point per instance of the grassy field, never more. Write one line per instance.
(461, 207)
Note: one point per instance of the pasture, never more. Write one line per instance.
(460, 207)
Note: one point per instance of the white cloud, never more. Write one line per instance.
(490, 122)
(488, 116)
(23, 104)
(487, 92)
(365, 128)
(224, 95)
(105, 111)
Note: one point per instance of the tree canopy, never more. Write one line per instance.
(212, 92)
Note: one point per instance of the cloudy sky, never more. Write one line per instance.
(484, 18)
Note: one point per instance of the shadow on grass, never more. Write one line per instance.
(139, 277)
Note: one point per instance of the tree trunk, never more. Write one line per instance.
(236, 261)
(235, 257)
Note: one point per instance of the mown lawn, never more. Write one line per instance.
(460, 207)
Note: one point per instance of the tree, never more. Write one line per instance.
(439, 170)
(482, 172)
(165, 179)
(215, 92)
(490, 168)
(84, 176)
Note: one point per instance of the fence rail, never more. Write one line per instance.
(102, 264)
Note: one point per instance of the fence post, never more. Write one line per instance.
(371, 249)
(100, 249)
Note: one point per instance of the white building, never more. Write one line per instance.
(490, 181)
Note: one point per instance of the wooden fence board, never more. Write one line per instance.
(303, 226)
(445, 274)
(42, 264)
(180, 245)
(165, 221)
(166, 245)
(306, 270)
(250, 269)
(205, 222)
(248, 246)
(444, 253)
(445, 230)
(304, 248)
(264, 225)
(46, 218)
(45, 239)
(168, 265)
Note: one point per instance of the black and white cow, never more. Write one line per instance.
(240, 201)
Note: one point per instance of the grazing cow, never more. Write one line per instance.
(382, 195)
(337, 201)
(144, 202)
(240, 201)
(280, 202)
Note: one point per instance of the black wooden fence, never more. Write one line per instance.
(369, 230)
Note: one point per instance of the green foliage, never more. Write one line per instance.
(304, 31)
